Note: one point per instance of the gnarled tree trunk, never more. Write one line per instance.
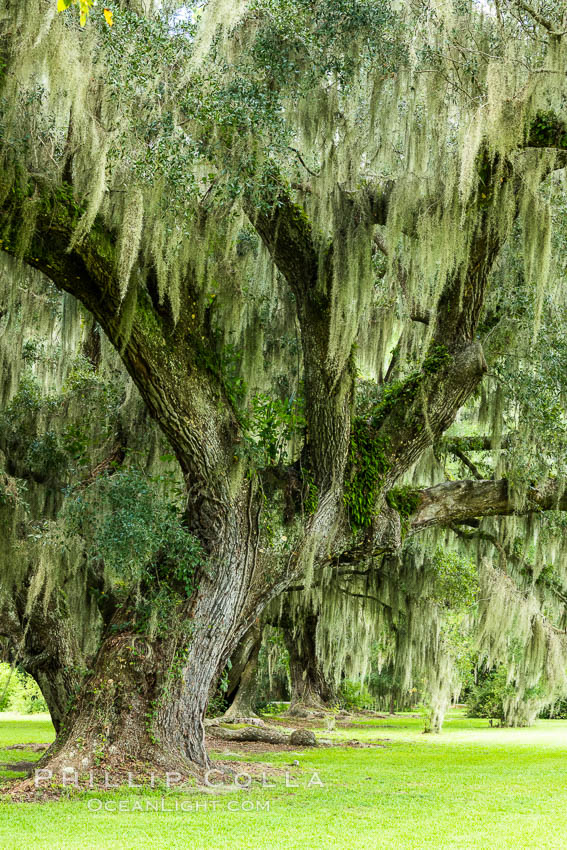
(146, 699)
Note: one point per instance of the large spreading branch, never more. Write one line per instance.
(456, 501)
(540, 19)
(161, 356)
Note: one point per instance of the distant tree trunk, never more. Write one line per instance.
(244, 702)
(240, 658)
(309, 686)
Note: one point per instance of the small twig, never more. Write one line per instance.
(468, 463)
(302, 161)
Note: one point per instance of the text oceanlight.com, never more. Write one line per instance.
(166, 804)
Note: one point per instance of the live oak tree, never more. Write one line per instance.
(69, 418)
(256, 202)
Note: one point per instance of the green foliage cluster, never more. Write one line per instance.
(302, 41)
(138, 534)
(19, 692)
(455, 579)
(557, 711)
(34, 450)
(217, 704)
(269, 422)
(404, 500)
(12, 491)
(272, 423)
(35, 431)
(247, 241)
(486, 697)
(547, 130)
(355, 696)
(382, 684)
(368, 459)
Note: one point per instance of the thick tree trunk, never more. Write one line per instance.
(309, 686)
(144, 704)
(146, 699)
(113, 719)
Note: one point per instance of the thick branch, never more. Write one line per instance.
(455, 501)
(287, 233)
(181, 395)
(329, 381)
(538, 18)
(474, 443)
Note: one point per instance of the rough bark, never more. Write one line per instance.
(456, 501)
(112, 722)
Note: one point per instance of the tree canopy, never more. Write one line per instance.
(326, 241)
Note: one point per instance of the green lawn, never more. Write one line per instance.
(471, 786)
(22, 729)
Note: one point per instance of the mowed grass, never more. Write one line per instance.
(22, 729)
(470, 787)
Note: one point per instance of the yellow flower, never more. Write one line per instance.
(108, 16)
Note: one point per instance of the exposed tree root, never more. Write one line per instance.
(298, 737)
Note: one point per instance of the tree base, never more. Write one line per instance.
(70, 768)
